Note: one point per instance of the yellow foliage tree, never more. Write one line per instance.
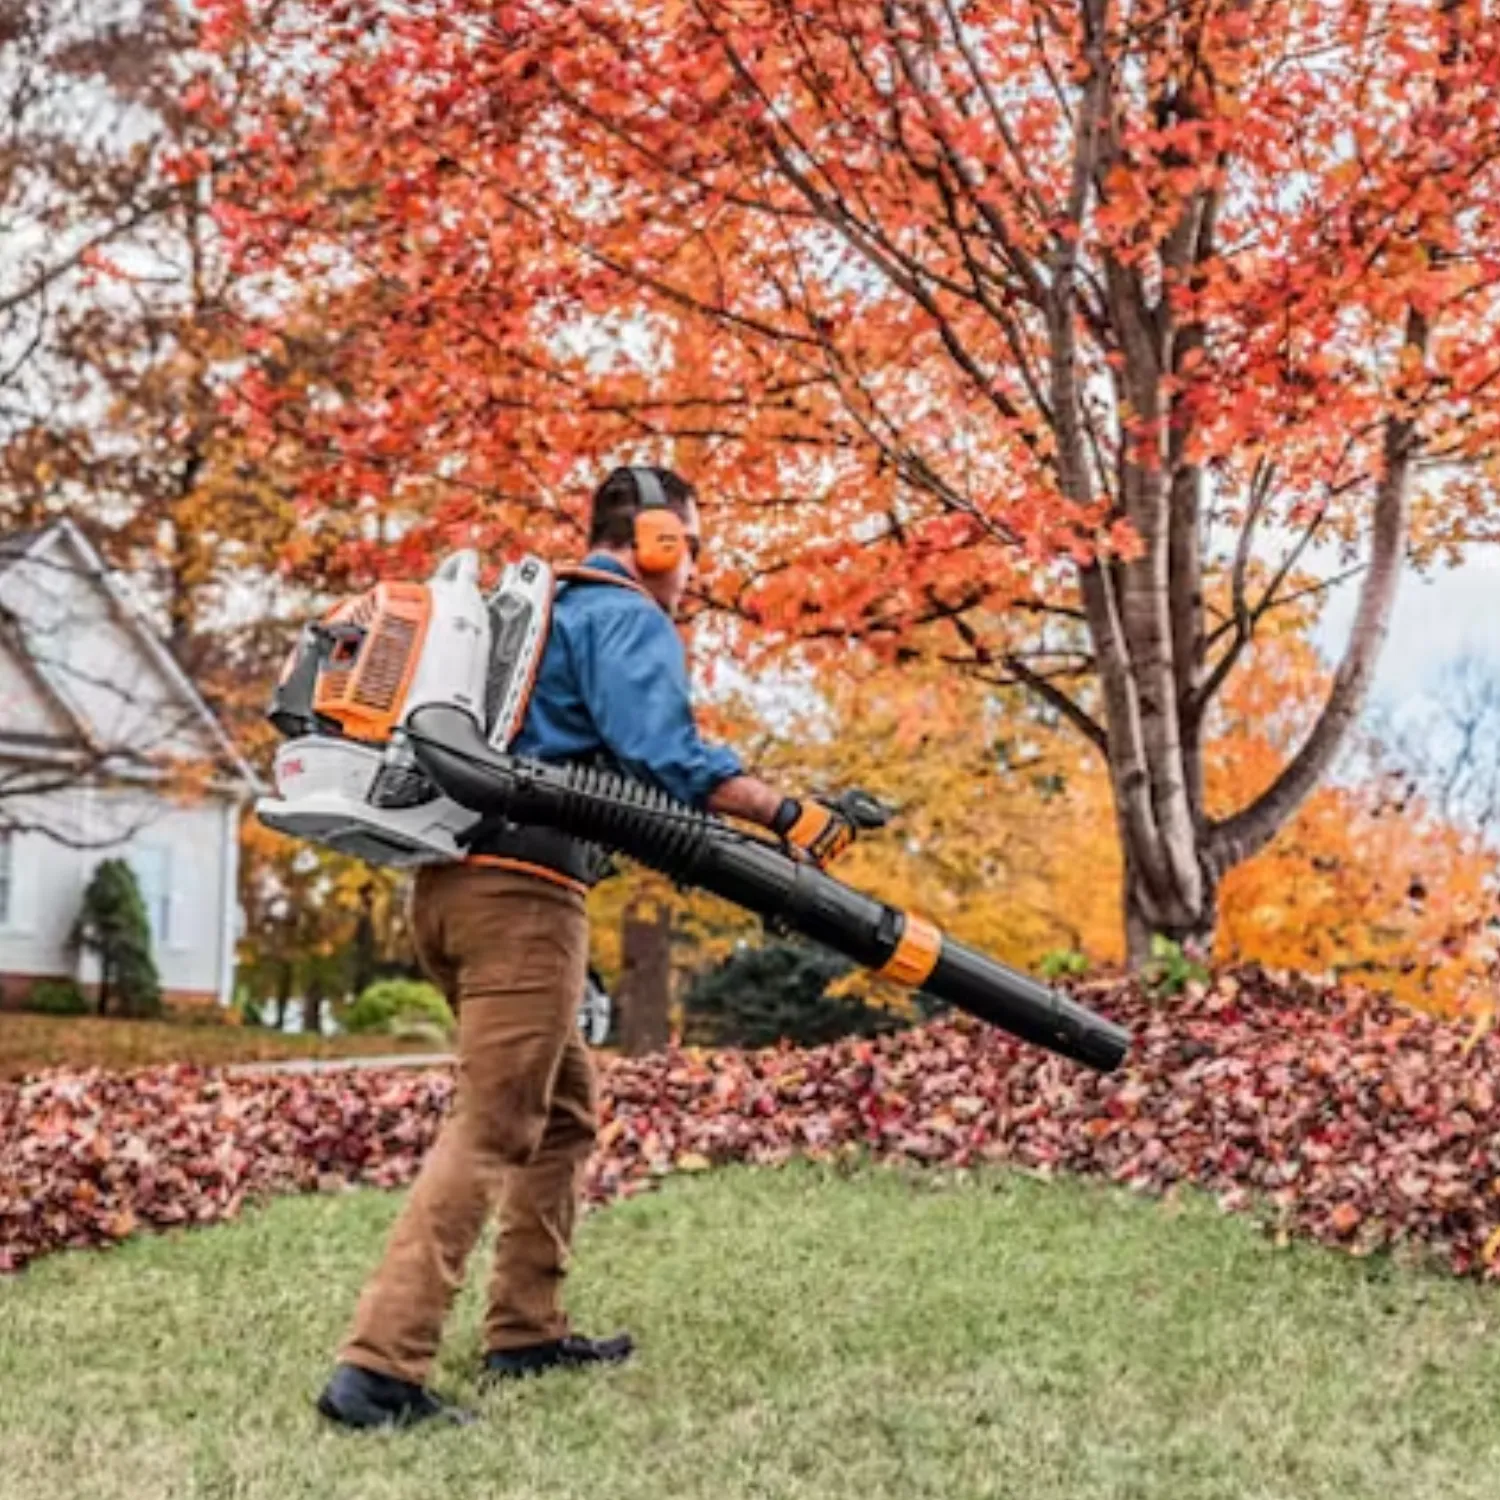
(316, 923)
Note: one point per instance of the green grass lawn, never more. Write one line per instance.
(803, 1334)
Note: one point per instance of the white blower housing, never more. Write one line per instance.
(346, 777)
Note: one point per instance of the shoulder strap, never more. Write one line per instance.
(521, 612)
(577, 573)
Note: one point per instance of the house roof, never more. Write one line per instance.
(17, 545)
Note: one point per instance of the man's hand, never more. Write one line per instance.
(822, 830)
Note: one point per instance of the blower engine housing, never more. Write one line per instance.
(346, 777)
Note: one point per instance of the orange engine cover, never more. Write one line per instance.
(364, 681)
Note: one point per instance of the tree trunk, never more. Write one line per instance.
(1145, 614)
(283, 992)
(646, 983)
(1145, 920)
(103, 982)
(363, 966)
(1163, 828)
(312, 1008)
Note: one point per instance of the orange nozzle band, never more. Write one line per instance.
(916, 953)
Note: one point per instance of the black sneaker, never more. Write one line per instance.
(570, 1353)
(363, 1398)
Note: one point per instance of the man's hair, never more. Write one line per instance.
(617, 500)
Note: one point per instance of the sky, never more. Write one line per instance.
(1437, 619)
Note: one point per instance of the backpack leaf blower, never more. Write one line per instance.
(439, 750)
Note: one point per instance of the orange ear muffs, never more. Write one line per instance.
(660, 540)
(660, 536)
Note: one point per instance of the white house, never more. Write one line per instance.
(107, 751)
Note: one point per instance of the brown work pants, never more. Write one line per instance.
(510, 950)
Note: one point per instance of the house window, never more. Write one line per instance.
(153, 873)
(7, 876)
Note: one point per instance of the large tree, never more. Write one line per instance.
(115, 314)
(1045, 337)
(115, 352)
(75, 166)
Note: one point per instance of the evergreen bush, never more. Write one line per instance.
(56, 997)
(778, 992)
(113, 924)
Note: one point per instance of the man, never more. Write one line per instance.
(506, 936)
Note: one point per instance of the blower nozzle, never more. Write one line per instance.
(694, 848)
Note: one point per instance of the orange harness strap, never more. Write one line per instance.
(577, 573)
(520, 866)
(570, 573)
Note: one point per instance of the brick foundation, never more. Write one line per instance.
(14, 989)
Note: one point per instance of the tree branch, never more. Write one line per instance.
(1089, 727)
(1242, 835)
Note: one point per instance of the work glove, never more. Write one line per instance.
(822, 828)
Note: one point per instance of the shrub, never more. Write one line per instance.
(1171, 968)
(778, 992)
(1063, 963)
(395, 1006)
(57, 997)
(113, 923)
(249, 1014)
(418, 1029)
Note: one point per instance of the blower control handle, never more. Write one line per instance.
(864, 811)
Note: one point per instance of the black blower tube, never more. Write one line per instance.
(696, 849)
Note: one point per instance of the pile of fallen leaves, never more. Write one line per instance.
(1334, 1114)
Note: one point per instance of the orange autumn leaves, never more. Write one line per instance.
(808, 249)
(1003, 832)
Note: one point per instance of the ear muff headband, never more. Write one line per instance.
(648, 489)
(660, 537)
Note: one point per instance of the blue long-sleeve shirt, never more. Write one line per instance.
(614, 679)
